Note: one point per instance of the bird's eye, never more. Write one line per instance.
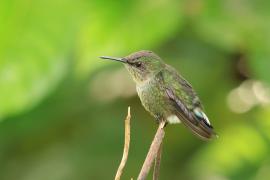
(138, 64)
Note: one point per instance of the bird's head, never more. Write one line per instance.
(142, 65)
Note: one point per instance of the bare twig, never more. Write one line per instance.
(126, 147)
(157, 163)
(153, 151)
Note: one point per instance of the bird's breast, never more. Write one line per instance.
(152, 97)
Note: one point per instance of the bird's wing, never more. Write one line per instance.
(186, 104)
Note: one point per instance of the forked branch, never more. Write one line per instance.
(154, 152)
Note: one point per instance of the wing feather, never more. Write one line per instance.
(187, 105)
(198, 127)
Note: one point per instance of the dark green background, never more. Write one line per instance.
(62, 109)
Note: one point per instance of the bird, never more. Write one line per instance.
(165, 94)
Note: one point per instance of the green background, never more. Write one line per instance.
(62, 109)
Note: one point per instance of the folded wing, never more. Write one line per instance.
(187, 105)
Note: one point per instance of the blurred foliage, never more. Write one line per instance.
(62, 108)
(34, 50)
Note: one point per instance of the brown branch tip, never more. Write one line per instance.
(126, 147)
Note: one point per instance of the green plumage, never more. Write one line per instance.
(165, 93)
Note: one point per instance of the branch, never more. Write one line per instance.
(157, 163)
(126, 147)
(153, 151)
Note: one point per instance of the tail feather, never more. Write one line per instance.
(198, 130)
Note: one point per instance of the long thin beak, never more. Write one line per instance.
(123, 60)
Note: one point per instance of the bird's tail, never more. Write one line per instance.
(198, 126)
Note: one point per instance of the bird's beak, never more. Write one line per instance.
(123, 60)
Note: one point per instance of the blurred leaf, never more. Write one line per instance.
(233, 24)
(237, 25)
(260, 63)
(33, 51)
(119, 27)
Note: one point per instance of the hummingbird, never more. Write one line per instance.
(165, 93)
